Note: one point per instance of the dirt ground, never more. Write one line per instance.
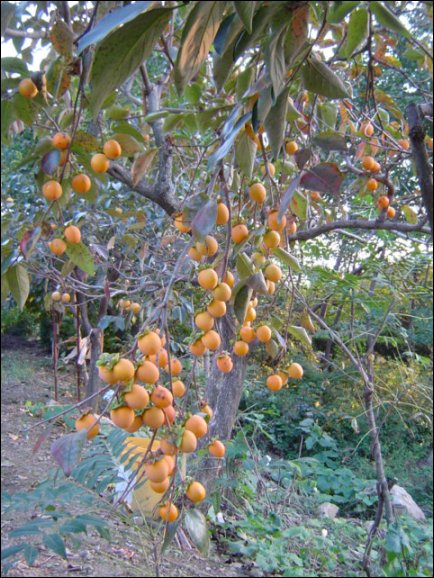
(27, 376)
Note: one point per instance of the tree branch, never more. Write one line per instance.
(359, 224)
(415, 116)
(25, 34)
(158, 193)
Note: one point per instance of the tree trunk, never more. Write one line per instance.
(224, 391)
(95, 337)
(415, 116)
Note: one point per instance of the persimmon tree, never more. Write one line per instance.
(184, 154)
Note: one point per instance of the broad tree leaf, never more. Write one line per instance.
(8, 116)
(287, 259)
(19, 284)
(62, 38)
(339, 10)
(387, 18)
(274, 57)
(197, 529)
(245, 154)
(204, 220)
(275, 123)
(67, 449)
(224, 45)
(169, 534)
(141, 165)
(302, 157)
(25, 109)
(197, 37)
(84, 141)
(14, 64)
(7, 13)
(245, 11)
(272, 348)
(81, 256)
(241, 302)
(330, 140)
(117, 320)
(111, 21)
(296, 39)
(122, 51)
(287, 197)
(257, 283)
(130, 145)
(55, 543)
(223, 150)
(357, 33)
(388, 102)
(410, 214)
(301, 334)
(324, 178)
(320, 79)
(298, 205)
(50, 161)
(5, 290)
(245, 267)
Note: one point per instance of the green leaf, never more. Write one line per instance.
(320, 79)
(245, 154)
(8, 116)
(81, 256)
(287, 259)
(14, 64)
(55, 543)
(30, 554)
(274, 57)
(130, 146)
(275, 123)
(111, 21)
(327, 115)
(169, 534)
(197, 529)
(222, 62)
(122, 51)
(339, 10)
(204, 220)
(272, 348)
(357, 33)
(257, 283)
(67, 450)
(198, 34)
(7, 13)
(12, 550)
(301, 334)
(330, 140)
(298, 205)
(25, 109)
(223, 150)
(410, 214)
(241, 302)
(62, 39)
(387, 18)
(5, 290)
(287, 197)
(324, 178)
(244, 265)
(245, 11)
(19, 284)
(84, 141)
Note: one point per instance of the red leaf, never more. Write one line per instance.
(67, 450)
(324, 178)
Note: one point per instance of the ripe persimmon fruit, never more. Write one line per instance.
(137, 398)
(72, 234)
(81, 184)
(52, 190)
